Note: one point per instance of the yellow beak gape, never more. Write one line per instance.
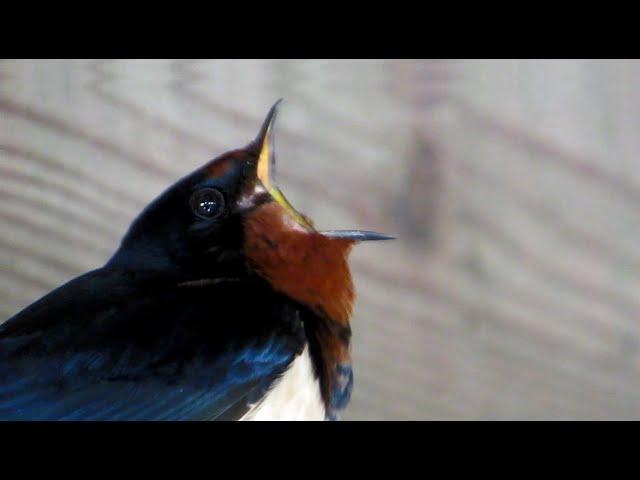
(266, 167)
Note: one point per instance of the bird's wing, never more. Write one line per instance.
(140, 355)
(68, 389)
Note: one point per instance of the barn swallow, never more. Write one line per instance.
(222, 302)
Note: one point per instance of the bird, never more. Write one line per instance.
(222, 302)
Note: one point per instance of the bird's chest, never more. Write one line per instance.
(295, 396)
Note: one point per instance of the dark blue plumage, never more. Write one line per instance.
(154, 356)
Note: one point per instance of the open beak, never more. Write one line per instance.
(264, 143)
(356, 235)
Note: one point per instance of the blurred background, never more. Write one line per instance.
(513, 290)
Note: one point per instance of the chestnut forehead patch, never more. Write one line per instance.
(219, 167)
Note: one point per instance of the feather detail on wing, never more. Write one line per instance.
(176, 354)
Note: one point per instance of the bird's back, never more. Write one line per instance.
(108, 345)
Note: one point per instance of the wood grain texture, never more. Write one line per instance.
(513, 188)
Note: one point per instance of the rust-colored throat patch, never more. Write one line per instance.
(301, 263)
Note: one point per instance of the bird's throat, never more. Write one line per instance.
(304, 265)
(313, 270)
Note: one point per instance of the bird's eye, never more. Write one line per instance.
(207, 203)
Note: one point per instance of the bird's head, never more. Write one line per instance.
(229, 220)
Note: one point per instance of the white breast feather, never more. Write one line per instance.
(295, 396)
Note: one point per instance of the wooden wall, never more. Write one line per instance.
(513, 188)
